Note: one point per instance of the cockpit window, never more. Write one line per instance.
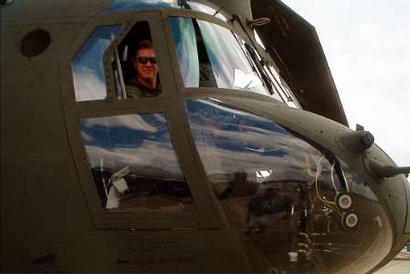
(134, 165)
(87, 66)
(212, 56)
(295, 204)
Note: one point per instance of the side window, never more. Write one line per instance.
(87, 66)
(134, 164)
(135, 64)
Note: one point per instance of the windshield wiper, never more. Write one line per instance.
(259, 64)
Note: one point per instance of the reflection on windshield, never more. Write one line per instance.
(218, 56)
(88, 70)
(290, 201)
(134, 164)
(242, 142)
(187, 53)
(130, 5)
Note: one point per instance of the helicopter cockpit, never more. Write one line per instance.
(173, 159)
(209, 55)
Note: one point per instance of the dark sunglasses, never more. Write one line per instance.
(144, 60)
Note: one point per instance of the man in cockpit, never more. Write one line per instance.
(146, 81)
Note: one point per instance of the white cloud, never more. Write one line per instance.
(88, 86)
(149, 154)
(131, 121)
(86, 137)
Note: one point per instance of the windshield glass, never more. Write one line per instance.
(212, 56)
(293, 203)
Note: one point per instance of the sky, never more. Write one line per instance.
(367, 46)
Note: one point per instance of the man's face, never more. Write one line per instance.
(145, 64)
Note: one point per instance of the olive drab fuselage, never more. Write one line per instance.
(215, 167)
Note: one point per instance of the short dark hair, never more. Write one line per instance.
(144, 44)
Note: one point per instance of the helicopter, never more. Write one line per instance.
(239, 160)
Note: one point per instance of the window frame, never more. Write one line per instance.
(206, 214)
